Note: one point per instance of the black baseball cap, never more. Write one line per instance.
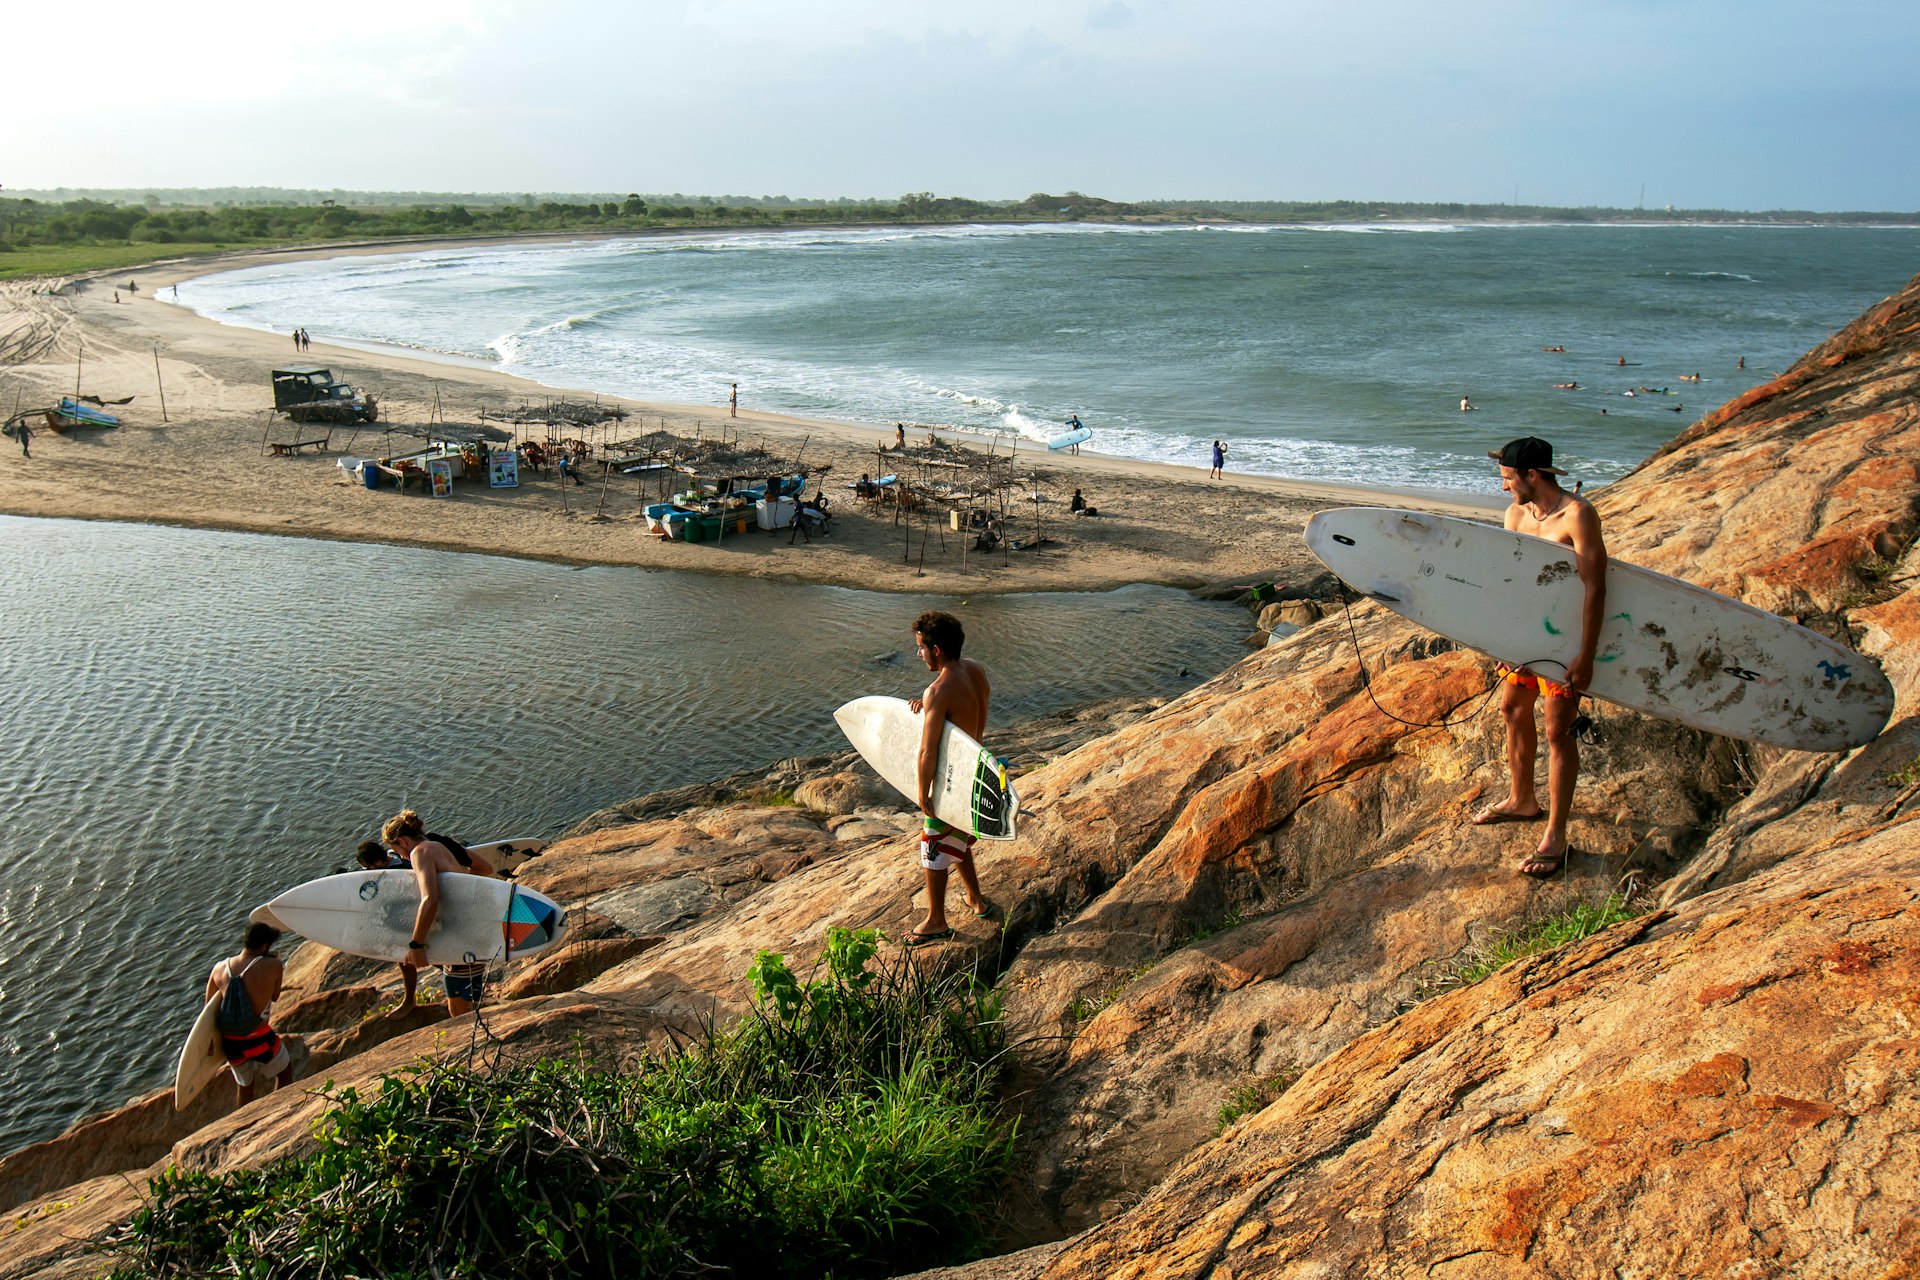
(1528, 453)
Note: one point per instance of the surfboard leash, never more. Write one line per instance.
(1366, 680)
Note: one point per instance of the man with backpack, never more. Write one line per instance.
(247, 985)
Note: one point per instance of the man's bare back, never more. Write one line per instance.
(959, 693)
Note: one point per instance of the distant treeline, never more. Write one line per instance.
(91, 220)
(248, 216)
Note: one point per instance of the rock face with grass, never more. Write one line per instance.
(1724, 1089)
(1252, 901)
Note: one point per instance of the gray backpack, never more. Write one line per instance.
(237, 1015)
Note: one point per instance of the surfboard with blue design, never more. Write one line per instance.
(371, 913)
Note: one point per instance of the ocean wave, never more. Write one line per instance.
(1713, 275)
(1014, 422)
(1383, 228)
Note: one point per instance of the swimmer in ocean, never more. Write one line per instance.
(1566, 386)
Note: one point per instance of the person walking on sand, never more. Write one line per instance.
(1540, 507)
(733, 402)
(1219, 461)
(958, 693)
(247, 985)
(25, 434)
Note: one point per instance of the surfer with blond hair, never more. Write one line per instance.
(1540, 507)
(959, 693)
(431, 856)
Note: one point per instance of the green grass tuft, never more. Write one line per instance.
(1479, 962)
(1201, 933)
(1255, 1095)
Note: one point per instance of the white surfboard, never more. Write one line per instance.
(1067, 439)
(371, 913)
(1668, 647)
(200, 1057)
(507, 855)
(970, 788)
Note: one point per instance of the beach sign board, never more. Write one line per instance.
(503, 469)
(440, 471)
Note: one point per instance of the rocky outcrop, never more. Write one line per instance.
(1247, 892)
(1725, 1089)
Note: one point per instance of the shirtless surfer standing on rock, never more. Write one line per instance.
(1542, 508)
(958, 693)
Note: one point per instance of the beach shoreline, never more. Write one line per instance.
(206, 463)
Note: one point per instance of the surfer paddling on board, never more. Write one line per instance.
(958, 693)
(1543, 509)
(431, 856)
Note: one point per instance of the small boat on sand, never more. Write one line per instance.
(71, 413)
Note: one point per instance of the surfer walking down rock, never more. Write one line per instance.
(247, 985)
(959, 694)
(1540, 507)
(432, 856)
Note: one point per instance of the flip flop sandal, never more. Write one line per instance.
(1548, 867)
(915, 938)
(1492, 817)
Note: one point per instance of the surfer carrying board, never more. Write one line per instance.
(247, 985)
(1543, 509)
(431, 858)
(958, 693)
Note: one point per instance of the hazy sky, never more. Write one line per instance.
(1751, 104)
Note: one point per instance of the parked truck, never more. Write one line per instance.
(309, 393)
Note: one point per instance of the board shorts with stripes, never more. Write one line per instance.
(943, 847)
(1539, 684)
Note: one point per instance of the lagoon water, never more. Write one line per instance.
(1327, 353)
(196, 720)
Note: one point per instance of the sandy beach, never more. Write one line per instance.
(208, 462)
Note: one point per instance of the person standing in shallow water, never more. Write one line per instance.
(959, 693)
(1219, 461)
(1540, 507)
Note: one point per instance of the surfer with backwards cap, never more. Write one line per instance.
(958, 693)
(1542, 508)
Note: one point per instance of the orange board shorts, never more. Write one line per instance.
(1539, 684)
